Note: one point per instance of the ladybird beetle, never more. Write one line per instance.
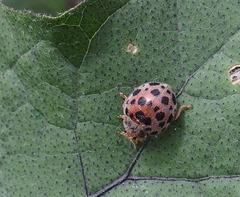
(149, 110)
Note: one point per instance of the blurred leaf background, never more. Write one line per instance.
(49, 7)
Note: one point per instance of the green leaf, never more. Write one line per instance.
(59, 84)
(214, 186)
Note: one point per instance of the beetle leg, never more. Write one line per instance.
(181, 108)
(133, 139)
(122, 95)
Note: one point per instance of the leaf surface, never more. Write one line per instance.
(59, 84)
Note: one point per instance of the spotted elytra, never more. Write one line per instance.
(149, 110)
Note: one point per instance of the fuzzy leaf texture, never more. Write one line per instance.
(60, 80)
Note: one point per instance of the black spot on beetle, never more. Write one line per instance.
(146, 89)
(147, 121)
(133, 102)
(136, 92)
(161, 124)
(165, 100)
(155, 92)
(154, 83)
(154, 133)
(141, 101)
(163, 87)
(133, 129)
(139, 115)
(142, 134)
(148, 129)
(168, 91)
(174, 99)
(160, 116)
(126, 110)
(149, 103)
(170, 118)
(170, 108)
(156, 109)
(131, 116)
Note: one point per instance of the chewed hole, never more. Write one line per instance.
(234, 74)
(132, 48)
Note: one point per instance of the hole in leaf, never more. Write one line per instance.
(234, 74)
(132, 48)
